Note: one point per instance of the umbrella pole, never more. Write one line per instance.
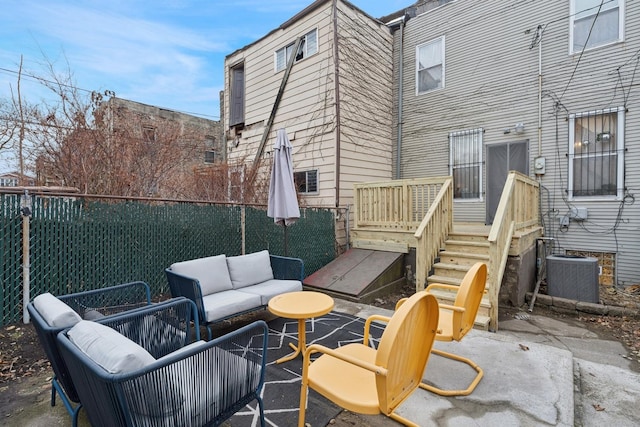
(286, 240)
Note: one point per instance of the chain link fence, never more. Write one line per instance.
(78, 243)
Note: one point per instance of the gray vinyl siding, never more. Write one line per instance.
(491, 82)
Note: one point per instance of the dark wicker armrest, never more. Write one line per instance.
(183, 286)
(160, 328)
(108, 301)
(286, 268)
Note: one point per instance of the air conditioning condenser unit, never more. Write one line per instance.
(573, 277)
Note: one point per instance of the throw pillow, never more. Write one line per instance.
(56, 313)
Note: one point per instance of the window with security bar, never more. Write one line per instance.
(596, 154)
(465, 163)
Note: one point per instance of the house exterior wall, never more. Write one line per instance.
(354, 149)
(366, 100)
(491, 82)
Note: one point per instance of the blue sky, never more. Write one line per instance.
(168, 53)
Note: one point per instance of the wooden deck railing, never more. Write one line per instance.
(399, 204)
(518, 209)
(433, 231)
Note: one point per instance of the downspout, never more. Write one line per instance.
(336, 71)
(400, 99)
(539, 91)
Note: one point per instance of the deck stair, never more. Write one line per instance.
(461, 250)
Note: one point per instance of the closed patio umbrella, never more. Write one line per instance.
(283, 201)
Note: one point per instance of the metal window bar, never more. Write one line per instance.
(466, 162)
(595, 154)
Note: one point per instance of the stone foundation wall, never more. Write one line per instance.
(518, 279)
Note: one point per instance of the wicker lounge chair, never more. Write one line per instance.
(151, 382)
(50, 315)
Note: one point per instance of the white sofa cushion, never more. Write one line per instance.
(227, 303)
(250, 269)
(273, 287)
(56, 313)
(114, 352)
(211, 272)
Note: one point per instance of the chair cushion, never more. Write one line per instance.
(56, 313)
(211, 272)
(148, 399)
(154, 334)
(114, 352)
(229, 303)
(250, 269)
(271, 288)
(93, 315)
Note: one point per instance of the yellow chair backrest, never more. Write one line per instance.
(469, 296)
(404, 349)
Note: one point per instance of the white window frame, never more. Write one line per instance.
(441, 41)
(474, 137)
(306, 173)
(591, 11)
(619, 150)
(308, 47)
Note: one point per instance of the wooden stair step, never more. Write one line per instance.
(455, 254)
(467, 243)
(447, 266)
(469, 237)
(482, 322)
(448, 297)
(444, 280)
(482, 318)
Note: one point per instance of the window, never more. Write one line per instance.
(608, 27)
(430, 66)
(308, 46)
(8, 182)
(148, 133)
(307, 181)
(596, 154)
(465, 159)
(209, 156)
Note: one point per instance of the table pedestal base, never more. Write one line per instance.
(302, 343)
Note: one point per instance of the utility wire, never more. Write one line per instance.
(68, 86)
(583, 48)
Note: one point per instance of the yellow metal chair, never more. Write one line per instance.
(368, 381)
(458, 319)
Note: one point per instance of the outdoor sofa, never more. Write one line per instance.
(224, 287)
(50, 315)
(148, 367)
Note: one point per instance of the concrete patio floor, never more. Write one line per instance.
(537, 371)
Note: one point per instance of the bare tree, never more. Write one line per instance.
(97, 143)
